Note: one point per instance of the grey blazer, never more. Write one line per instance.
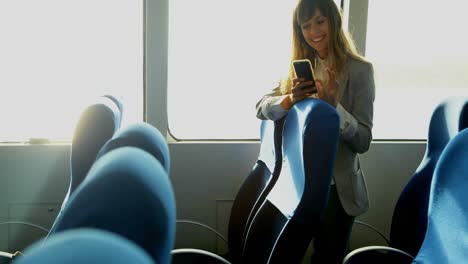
(356, 108)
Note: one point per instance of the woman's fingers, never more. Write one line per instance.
(328, 93)
(306, 85)
(331, 74)
(320, 88)
(297, 80)
(310, 90)
(332, 83)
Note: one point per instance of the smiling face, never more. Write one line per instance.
(316, 33)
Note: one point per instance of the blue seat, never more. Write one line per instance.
(256, 186)
(248, 200)
(287, 217)
(409, 218)
(290, 215)
(85, 246)
(96, 125)
(127, 192)
(446, 237)
(143, 136)
(119, 105)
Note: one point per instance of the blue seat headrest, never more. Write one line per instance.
(310, 141)
(118, 103)
(85, 246)
(97, 123)
(446, 239)
(449, 118)
(127, 192)
(143, 136)
(410, 214)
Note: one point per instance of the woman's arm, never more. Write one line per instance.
(272, 106)
(356, 123)
(275, 106)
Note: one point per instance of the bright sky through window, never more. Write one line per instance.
(57, 55)
(420, 56)
(223, 55)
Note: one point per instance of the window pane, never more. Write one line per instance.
(56, 55)
(420, 57)
(223, 56)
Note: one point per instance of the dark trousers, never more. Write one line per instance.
(331, 242)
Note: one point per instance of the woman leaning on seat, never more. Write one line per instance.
(345, 80)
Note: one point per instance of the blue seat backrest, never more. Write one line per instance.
(85, 246)
(256, 186)
(97, 123)
(446, 239)
(127, 192)
(143, 136)
(270, 142)
(119, 105)
(409, 219)
(286, 221)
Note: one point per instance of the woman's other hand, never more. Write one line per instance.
(329, 91)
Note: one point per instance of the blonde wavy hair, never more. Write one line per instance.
(340, 47)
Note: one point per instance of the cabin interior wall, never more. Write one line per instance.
(205, 177)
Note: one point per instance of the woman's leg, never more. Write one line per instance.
(331, 242)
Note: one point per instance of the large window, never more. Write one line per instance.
(223, 56)
(57, 55)
(420, 56)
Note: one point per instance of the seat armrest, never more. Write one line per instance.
(196, 256)
(387, 241)
(377, 254)
(26, 224)
(8, 255)
(185, 221)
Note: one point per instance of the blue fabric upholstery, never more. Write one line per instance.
(143, 136)
(127, 192)
(118, 103)
(286, 222)
(270, 142)
(410, 214)
(256, 186)
(249, 198)
(83, 247)
(410, 217)
(97, 124)
(446, 239)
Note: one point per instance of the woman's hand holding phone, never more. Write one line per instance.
(304, 84)
(300, 90)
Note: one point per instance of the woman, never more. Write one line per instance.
(345, 80)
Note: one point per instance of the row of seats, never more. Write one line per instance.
(120, 200)
(120, 185)
(277, 208)
(85, 246)
(409, 223)
(428, 196)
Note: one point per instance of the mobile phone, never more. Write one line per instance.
(303, 69)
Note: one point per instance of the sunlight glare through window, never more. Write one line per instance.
(223, 56)
(420, 56)
(58, 55)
